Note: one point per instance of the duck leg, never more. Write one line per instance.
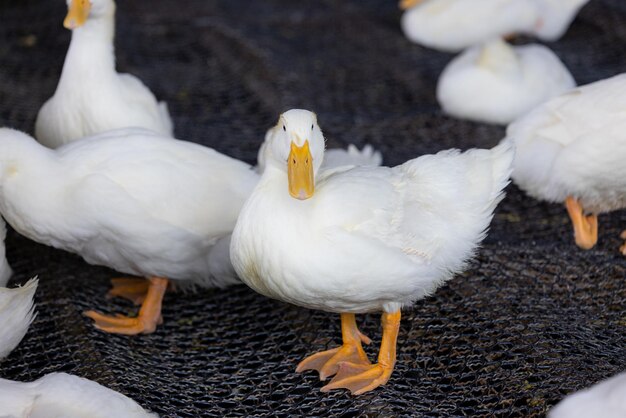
(407, 4)
(361, 378)
(585, 226)
(327, 362)
(134, 289)
(147, 320)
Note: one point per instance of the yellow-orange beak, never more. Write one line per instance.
(407, 4)
(78, 14)
(300, 171)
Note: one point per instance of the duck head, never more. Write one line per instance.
(297, 147)
(81, 10)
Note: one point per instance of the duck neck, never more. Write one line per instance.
(91, 53)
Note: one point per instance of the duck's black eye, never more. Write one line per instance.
(312, 126)
(284, 129)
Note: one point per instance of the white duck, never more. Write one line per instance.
(91, 96)
(453, 25)
(61, 395)
(132, 200)
(606, 399)
(572, 149)
(356, 240)
(497, 83)
(16, 314)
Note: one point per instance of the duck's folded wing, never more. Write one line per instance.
(435, 208)
(16, 314)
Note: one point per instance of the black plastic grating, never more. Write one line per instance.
(532, 319)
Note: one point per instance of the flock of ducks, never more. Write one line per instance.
(105, 179)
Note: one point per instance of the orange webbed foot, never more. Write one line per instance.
(147, 320)
(359, 378)
(327, 362)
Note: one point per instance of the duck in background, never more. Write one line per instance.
(91, 96)
(572, 150)
(67, 396)
(361, 239)
(453, 25)
(606, 399)
(497, 83)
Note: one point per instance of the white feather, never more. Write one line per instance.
(16, 314)
(91, 96)
(606, 399)
(453, 25)
(574, 145)
(497, 83)
(129, 199)
(369, 238)
(61, 395)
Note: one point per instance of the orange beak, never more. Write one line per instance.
(300, 172)
(407, 4)
(78, 14)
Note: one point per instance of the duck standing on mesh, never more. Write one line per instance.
(572, 149)
(132, 200)
(361, 239)
(91, 96)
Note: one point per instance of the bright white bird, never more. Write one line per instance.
(91, 96)
(132, 200)
(606, 399)
(16, 314)
(360, 239)
(497, 83)
(572, 150)
(61, 395)
(453, 25)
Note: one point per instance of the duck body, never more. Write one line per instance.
(363, 224)
(91, 97)
(453, 25)
(16, 314)
(130, 199)
(497, 83)
(574, 145)
(61, 395)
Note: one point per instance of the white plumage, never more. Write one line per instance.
(16, 314)
(575, 145)
(453, 25)
(91, 96)
(129, 199)
(61, 395)
(606, 399)
(369, 239)
(497, 83)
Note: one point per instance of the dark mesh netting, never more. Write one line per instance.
(532, 319)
